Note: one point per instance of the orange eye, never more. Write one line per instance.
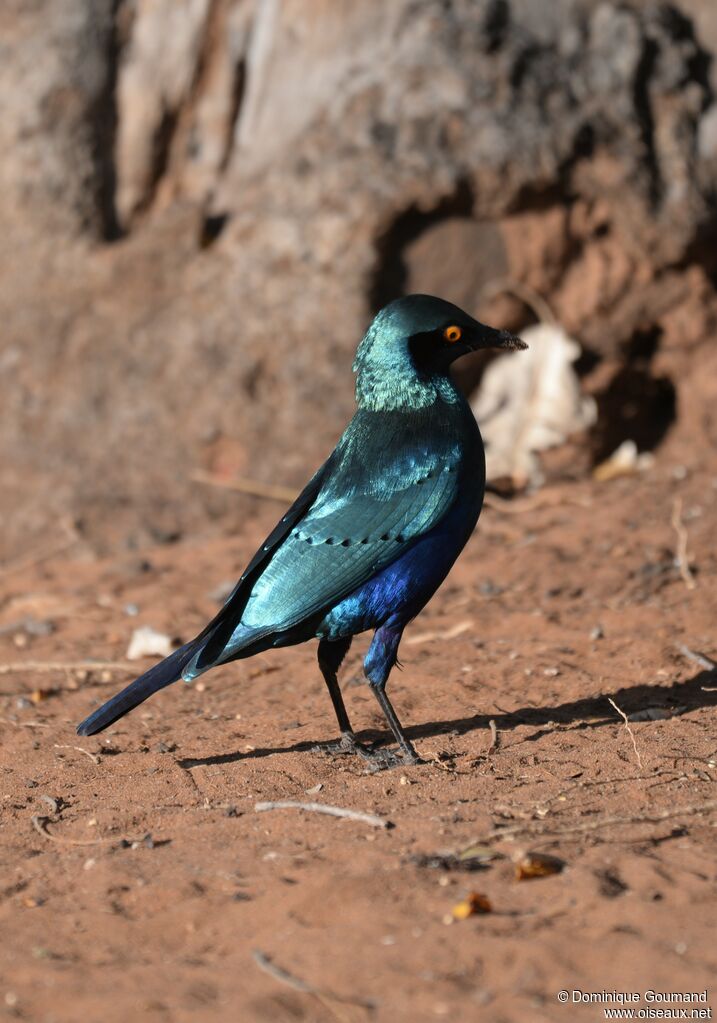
(452, 334)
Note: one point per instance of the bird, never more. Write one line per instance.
(373, 534)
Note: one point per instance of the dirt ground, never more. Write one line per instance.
(139, 882)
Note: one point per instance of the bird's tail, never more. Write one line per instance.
(161, 675)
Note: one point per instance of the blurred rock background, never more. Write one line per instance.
(203, 202)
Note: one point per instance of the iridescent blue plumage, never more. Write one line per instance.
(399, 591)
(377, 529)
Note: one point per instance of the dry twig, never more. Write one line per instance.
(333, 811)
(21, 667)
(681, 558)
(630, 732)
(428, 637)
(494, 737)
(245, 486)
(93, 756)
(23, 724)
(284, 977)
(603, 822)
(692, 655)
(533, 502)
(30, 560)
(40, 823)
(440, 759)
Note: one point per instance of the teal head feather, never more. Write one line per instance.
(403, 359)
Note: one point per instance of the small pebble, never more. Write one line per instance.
(39, 627)
(148, 642)
(489, 589)
(165, 747)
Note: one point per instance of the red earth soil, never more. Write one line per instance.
(139, 881)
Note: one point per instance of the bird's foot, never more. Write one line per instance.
(385, 759)
(377, 759)
(348, 743)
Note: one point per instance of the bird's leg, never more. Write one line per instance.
(330, 657)
(331, 654)
(381, 657)
(409, 754)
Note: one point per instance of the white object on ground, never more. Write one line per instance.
(147, 642)
(530, 403)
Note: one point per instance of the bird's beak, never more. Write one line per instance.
(504, 339)
(487, 337)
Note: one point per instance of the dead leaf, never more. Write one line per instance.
(535, 864)
(40, 695)
(475, 857)
(473, 904)
(478, 854)
(624, 461)
(531, 404)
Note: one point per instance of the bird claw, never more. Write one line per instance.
(348, 743)
(377, 759)
(386, 759)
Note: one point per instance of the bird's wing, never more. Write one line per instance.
(390, 481)
(384, 486)
(217, 633)
(341, 543)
